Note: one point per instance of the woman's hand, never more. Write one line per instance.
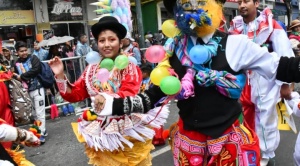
(57, 67)
(99, 103)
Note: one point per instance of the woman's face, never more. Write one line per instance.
(109, 44)
(296, 29)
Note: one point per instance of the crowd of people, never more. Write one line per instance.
(246, 71)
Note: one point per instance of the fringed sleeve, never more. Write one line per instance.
(141, 103)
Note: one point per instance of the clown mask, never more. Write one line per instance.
(198, 17)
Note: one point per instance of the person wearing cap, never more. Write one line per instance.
(6, 58)
(260, 96)
(128, 47)
(294, 36)
(111, 136)
(149, 40)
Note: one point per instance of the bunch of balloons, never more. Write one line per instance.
(107, 64)
(161, 75)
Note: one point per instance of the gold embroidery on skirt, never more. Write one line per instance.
(139, 155)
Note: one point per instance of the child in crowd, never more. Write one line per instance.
(146, 70)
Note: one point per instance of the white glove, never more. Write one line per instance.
(31, 139)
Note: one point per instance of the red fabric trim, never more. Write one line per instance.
(294, 37)
(130, 85)
(78, 93)
(248, 106)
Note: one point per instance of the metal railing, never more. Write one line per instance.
(73, 67)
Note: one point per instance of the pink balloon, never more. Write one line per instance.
(155, 53)
(103, 75)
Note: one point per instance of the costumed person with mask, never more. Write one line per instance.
(14, 157)
(210, 130)
(111, 136)
(260, 96)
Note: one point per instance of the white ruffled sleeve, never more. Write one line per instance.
(243, 54)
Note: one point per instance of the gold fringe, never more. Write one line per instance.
(19, 157)
(139, 155)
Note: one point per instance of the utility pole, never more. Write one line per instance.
(139, 16)
(288, 10)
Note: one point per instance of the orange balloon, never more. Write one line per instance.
(39, 37)
(158, 74)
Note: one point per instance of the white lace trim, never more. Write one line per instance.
(89, 87)
(112, 136)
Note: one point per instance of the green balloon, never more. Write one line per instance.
(170, 85)
(107, 63)
(121, 62)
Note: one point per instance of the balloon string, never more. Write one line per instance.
(166, 99)
(112, 72)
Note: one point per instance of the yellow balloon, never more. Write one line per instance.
(169, 28)
(158, 74)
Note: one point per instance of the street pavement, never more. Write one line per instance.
(63, 149)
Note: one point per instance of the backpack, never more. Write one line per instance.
(46, 76)
(20, 102)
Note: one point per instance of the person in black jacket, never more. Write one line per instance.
(27, 69)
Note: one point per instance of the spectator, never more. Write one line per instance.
(41, 53)
(295, 36)
(32, 67)
(67, 52)
(128, 47)
(146, 70)
(162, 39)
(7, 59)
(54, 50)
(94, 45)
(82, 49)
(149, 41)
